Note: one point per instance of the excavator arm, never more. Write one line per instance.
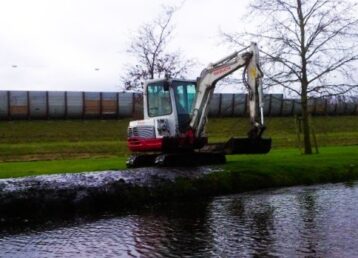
(252, 80)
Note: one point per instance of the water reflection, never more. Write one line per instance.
(176, 231)
(301, 221)
(309, 231)
(242, 226)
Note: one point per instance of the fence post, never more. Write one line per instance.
(293, 107)
(326, 107)
(335, 108)
(270, 105)
(83, 105)
(233, 105)
(245, 105)
(117, 107)
(66, 104)
(313, 132)
(298, 132)
(28, 105)
(133, 104)
(47, 106)
(345, 108)
(220, 102)
(8, 106)
(281, 107)
(100, 105)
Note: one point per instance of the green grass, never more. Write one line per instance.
(281, 160)
(74, 139)
(279, 164)
(62, 130)
(31, 168)
(330, 131)
(61, 150)
(285, 167)
(62, 139)
(56, 146)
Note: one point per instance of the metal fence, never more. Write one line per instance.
(67, 104)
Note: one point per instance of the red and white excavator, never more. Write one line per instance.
(175, 115)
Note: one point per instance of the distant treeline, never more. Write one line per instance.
(106, 105)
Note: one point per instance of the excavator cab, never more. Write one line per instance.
(168, 105)
(171, 100)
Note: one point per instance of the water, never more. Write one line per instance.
(318, 221)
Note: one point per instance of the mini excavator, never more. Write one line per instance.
(175, 115)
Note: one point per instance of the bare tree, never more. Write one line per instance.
(149, 46)
(309, 46)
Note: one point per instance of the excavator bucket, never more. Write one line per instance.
(236, 145)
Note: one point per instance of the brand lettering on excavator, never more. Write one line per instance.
(221, 70)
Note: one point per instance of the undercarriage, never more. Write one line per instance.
(210, 154)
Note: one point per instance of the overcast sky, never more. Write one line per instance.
(81, 44)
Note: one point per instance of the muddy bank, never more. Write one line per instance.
(87, 193)
(56, 195)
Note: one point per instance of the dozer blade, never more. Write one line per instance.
(236, 145)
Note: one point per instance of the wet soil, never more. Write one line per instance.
(55, 195)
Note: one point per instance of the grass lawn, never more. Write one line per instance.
(78, 139)
(330, 131)
(278, 163)
(62, 139)
(281, 161)
(31, 168)
(57, 146)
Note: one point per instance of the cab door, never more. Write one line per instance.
(184, 95)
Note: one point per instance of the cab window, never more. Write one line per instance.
(184, 95)
(159, 103)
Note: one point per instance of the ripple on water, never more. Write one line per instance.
(300, 221)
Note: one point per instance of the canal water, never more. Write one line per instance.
(314, 221)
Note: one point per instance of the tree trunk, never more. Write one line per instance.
(306, 125)
(304, 81)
